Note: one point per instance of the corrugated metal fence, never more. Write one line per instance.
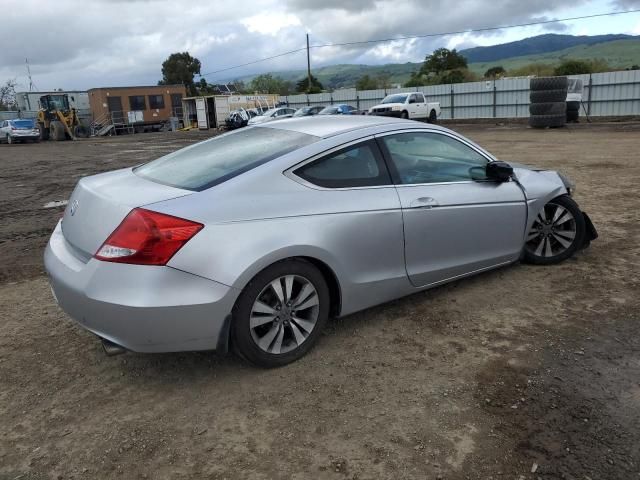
(605, 94)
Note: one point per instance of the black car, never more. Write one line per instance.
(308, 111)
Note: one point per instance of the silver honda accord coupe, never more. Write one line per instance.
(252, 239)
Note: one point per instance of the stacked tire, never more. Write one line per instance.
(548, 102)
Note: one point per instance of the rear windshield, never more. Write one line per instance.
(22, 124)
(214, 161)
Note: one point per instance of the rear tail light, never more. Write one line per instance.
(147, 238)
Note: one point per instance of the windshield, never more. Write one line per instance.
(270, 112)
(302, 112)
(329, 111)
(395, 99)
(22, 124)
(214, 161)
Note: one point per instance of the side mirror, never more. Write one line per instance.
(500, 171)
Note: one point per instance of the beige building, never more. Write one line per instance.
(145, 105)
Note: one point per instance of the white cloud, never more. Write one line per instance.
(118, 42)
(270, 23)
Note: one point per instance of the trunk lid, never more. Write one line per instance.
(99, 203)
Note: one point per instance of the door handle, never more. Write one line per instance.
(423, 202)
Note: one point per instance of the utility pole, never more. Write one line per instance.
(31, 85)
(308, 67)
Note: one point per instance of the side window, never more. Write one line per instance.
(420, 98)
(412, 98)
(433, 158)
(359, 165)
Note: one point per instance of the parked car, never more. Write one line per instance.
(273, 114)
(308, 111)
(413, 106)
(341, 109)
(255, 237)
(240, 118)
(19, 130)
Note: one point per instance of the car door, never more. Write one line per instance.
(421, 106)
(455, 220)
(355, 199)
(412, 105)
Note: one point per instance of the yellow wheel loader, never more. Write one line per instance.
(58, 121)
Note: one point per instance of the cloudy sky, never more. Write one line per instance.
(79, 44)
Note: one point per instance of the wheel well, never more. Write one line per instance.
(332, 283)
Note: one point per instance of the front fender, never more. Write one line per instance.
(539, 187)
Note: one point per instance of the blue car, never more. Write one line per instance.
(341, 109)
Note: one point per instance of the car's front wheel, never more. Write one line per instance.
(557, 232)
(280, 313)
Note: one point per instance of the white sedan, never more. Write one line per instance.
(273, 114)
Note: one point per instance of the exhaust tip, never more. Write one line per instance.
(112, 349)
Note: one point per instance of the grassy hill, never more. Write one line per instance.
(617, 54)
(550, 42)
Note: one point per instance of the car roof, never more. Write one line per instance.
(328, 126)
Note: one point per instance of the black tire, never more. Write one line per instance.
(81, 131)
(547, 96)
(404, 115)
(577, 242)
(241, 333)
(573, 115)
(433, 117)
(547, 121)
(573, 106)
(56, 131)
(552, 108)
(44, 132)
(548, 83)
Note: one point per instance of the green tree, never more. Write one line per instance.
(495, 72)
(573, 67)
(267, 83)
(240, 86)
(444, 66)
(442, 61)
(366, 83)
(302, 85)
(416, 80)
(8, 95)
(180, 68)
(537, 69)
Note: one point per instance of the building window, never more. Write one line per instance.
(137, 102)
(156, 101)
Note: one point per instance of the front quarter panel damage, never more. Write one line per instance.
(539, 188)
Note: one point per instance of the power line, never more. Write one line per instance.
(428, 35)
(254, 61)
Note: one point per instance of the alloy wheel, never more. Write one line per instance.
(284, 314)
(553, 231)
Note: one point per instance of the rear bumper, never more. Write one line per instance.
(141, 308)
(24, 136)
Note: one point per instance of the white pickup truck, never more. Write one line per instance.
(407, 105)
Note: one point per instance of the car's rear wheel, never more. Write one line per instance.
(9, 139)
(280, 313)
(557, 232)
(433, 117)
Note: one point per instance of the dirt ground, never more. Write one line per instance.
(522, 373)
